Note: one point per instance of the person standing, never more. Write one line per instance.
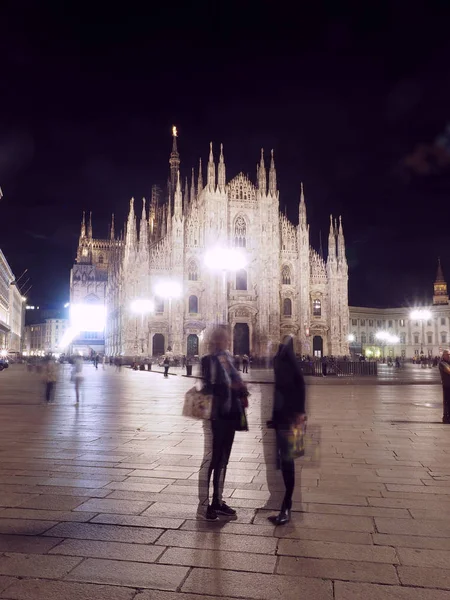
(229, 399)
(444, 369)
(50, 377)
(245, 360)
(77, 376)
(288, 413)
(166, 365)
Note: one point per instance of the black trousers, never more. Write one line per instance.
(446, 398)
(48, 390)
(166, 371)
(222, 441)
(287, 467)
(245, 367)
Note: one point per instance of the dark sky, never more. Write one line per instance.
(351, 96)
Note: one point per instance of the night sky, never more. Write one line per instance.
(352, 98)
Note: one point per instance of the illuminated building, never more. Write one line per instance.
(420, 330)
(285, 288)
(12, 308)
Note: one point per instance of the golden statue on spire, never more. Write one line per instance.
(174, 131)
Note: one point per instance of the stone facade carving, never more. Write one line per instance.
(288, 287)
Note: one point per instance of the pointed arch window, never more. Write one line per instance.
(287, 307)
(240, 232)
(193, 304)
(286, 275)
(193, 271)
(241, 279)
(100, 259)
(317, 308)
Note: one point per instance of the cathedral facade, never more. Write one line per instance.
(286, 287)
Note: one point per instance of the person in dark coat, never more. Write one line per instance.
(444, 369)
(229, 398)
(288, 411)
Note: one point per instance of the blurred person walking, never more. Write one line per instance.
(50, 375)
(229, 394)
(444, 369)
(77, 376)
(288, 416)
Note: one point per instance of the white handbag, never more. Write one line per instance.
(197, 403)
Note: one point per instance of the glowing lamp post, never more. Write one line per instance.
(224, 259)
(421, 315)
(169, 289)
(384, 337)
(141, 306)
(350, 338)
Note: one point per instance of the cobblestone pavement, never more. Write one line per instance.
(101, 501)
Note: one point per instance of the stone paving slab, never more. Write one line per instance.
(107, 499)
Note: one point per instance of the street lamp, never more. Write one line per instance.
(142, 306)
(350, 337)
(169, 288)
(225, 259)
(421, 315)
(386, 338)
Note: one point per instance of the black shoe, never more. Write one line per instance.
(211, 514)
(223, 509)
(282, 518)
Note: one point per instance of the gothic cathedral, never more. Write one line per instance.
(286, 287)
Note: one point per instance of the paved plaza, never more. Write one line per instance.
(104, 500)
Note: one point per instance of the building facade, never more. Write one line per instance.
(416, 336)
(12, 310)
(44, 338)
(286, 287)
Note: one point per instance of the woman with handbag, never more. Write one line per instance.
(288, 418)
(229, 394)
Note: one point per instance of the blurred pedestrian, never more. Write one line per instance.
(245, 361)
(104, 361)
(229, 399)
(50, 376)
(444, 368)
(77, 376)
(288, 416)
(166, 365)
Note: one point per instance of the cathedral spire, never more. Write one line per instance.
(178, 202)
(262, 179)
(341, 243)
(221, 179)
(131, 227)
(143, 232)
(272, 176)
(163, 221)
(302, 209)
(192, 187)
(174, 162)
(332, 242)
(200, 179)
(83, 226)
(112, 232)
(186, 194)
(211, 181)
(90, 226)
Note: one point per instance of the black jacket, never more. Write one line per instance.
(289, 393)
(226, 403)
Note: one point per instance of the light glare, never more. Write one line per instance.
(142, 306)
(88, 317)
(420, 314)
(225, 259)
(168, 289)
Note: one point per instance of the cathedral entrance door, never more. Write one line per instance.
(158, 344)
(192, 345)
(241, 339)
(318, 346)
